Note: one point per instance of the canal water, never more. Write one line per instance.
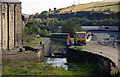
(58, 62)
(58, 46)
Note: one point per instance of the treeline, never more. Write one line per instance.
(46, 23)
(101, 22)
(71, 25)
(91, 15)
(50, 25)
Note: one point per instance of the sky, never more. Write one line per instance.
(37, 6)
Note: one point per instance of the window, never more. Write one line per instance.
(80, 35)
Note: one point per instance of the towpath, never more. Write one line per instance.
(109, 52)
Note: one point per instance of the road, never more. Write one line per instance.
(109, 52)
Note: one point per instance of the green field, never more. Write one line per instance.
(42, 68)
(38, 40)
(97, 6)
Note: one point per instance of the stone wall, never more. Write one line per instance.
(83, 57)
(46, 48)
(18, 55)
(10, 25)
(0, 26)
(36, 52)
(18, 24)
(5, 25)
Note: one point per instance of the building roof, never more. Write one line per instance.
(10, 1)
(81, 32)
(91, 27)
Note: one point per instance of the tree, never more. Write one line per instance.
(31, 16)
(35, 29)
(92, 10)
(43, 12)
(100, 10)
(38, 20)
(37, 14)
(44, 33)
(49, 9)
(55, 9)
(68, 26)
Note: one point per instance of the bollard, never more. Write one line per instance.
(22, 50)
(40, 43)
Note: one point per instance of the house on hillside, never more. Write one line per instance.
(10, 23)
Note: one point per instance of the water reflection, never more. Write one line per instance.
(59, 62)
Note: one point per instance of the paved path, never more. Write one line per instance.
(109, 52)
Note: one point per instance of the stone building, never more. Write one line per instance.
(10, 24)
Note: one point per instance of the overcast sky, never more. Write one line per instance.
(33, 6)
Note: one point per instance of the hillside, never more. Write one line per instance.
(71, 18)
(112, 0)
(95, 6)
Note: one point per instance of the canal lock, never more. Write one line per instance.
(58, 50)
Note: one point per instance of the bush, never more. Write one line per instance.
(69, 26)
(44, 33)
(29, 39)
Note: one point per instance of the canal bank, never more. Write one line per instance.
(50, 67)
(105, 64)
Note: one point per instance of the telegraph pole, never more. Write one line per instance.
(74, 2)
(78, 1)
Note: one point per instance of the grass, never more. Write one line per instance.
(90, 6)
(35, 67)
(28, 68)
(42, 68)
(38, 40)
(77, 47)
(86, 69)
